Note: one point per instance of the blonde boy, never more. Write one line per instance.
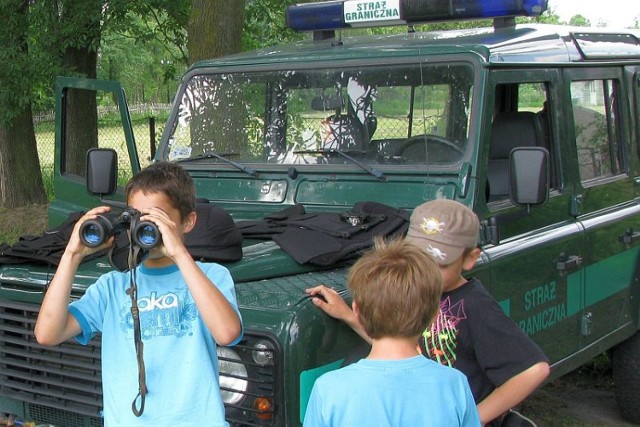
(396, 290)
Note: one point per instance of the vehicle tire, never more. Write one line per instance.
(626, 377)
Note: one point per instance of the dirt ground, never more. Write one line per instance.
(582, 398)
(14, 223)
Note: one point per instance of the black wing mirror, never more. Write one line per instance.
(102, 171)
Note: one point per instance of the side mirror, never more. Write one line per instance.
(102, 171)
(529, 176)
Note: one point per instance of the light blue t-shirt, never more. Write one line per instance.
(392, 393)
(180, 358)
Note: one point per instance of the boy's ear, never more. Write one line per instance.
(470, 259)
(355, 308)
(189, 222)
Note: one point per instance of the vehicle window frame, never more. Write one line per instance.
(551, 77)
(612, 73)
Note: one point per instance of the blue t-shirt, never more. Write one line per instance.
(408, 392)
(180, 357)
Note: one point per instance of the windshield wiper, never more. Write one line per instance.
(372, 171)
(222, 156)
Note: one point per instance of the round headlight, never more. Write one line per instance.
(264, 353)
(232, 386)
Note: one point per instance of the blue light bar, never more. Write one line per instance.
(333, 15)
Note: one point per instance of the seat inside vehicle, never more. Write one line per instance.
(508, 131)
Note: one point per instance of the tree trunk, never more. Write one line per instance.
(81, 120)
(214, 29)
(20, 175)
(81, 115)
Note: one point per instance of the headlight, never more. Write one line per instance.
(264, 353)
(232, 373)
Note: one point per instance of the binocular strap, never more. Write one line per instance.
(137, 335)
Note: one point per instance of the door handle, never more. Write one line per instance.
(629, 237)
(566, 263)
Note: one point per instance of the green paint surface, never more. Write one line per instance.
(609, 276)
(308, 378)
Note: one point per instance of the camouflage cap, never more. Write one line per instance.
(444, 229)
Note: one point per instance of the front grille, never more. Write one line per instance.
(66, 379)
(62, 385)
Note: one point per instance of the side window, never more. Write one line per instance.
(95, 124)
(595, 116)
(533, 97)
(521, 119)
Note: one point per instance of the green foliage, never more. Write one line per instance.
(153, 23)
(15, 77)
(148, 70)
(141, 42)
(531, 95)
(579, 21)
(144, 47)
(264, 24)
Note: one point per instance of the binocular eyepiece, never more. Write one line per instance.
(95, 232)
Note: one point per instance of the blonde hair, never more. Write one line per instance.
(397, 288)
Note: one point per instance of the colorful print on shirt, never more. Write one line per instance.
(439, 341)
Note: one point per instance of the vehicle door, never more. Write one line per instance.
(89, 114)
(535, 263)
(605, 201)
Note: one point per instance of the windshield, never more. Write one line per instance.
(391, 114)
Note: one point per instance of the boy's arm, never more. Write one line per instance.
(218, 314)
(54, 324)
(512, 392)
(329, 301)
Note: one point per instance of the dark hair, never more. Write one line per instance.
(168, 178)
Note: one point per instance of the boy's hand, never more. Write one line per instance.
(330, 302)
(75, 246)
(172, 242)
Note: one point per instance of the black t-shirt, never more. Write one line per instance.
(472, 334)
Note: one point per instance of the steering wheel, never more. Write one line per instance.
(416, 147)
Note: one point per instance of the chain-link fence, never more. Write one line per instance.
(148, 122)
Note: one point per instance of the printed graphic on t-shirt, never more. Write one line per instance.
(439, 341)
(161, 315)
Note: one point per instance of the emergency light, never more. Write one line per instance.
(338, 14)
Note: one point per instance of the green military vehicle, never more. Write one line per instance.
(535, 127)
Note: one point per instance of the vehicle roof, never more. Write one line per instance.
(525, 43)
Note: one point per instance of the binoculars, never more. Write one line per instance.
(144, 234)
